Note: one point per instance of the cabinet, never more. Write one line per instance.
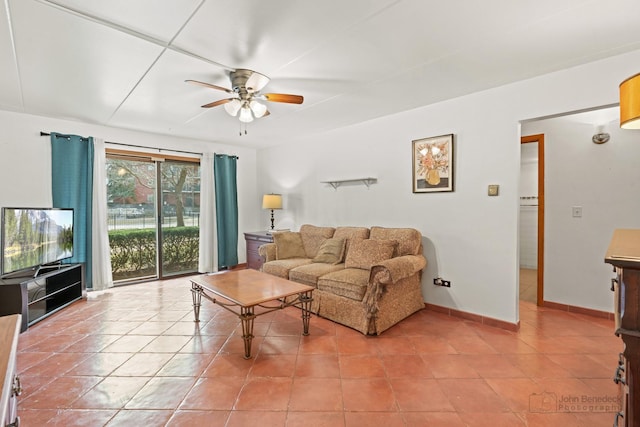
(624, 254)
(253, 241)
(37, 297)
(9, 331)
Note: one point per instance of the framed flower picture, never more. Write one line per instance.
(433, 164)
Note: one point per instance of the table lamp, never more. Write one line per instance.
(272, 201)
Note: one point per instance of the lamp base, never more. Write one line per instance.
(272, 226)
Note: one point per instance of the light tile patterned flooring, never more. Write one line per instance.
(134, 356)
(528, 284)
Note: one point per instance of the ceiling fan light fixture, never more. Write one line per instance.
(258, 109)
(245, 115)
(233, 107)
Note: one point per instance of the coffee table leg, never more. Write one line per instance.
(247, 317)
(196, 294)
(305, 299)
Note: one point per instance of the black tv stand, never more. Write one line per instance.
(46, 268)
(39, 295)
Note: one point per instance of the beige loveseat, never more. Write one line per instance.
(365, 278)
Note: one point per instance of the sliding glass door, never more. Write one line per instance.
(179, 225)
(153, 217)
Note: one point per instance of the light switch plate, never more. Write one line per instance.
(494, 189)
(576, 211)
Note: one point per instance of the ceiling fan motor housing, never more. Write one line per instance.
(243, 80)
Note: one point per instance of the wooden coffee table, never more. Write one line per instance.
(244, 290)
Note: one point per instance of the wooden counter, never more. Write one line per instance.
(624, 254)
(9, 332)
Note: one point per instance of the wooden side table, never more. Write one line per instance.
(253, 241)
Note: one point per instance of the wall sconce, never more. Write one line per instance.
(272, 201)
(630, 103)
(600, 137)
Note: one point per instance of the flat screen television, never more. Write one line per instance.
(33, 238)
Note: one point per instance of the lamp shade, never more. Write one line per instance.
(272, 201)
(245, 115)
(233, 107)
(258, 109)
(630, 103)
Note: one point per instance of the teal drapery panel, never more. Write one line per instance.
(224, 168)
(72, 187)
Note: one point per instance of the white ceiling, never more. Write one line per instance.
(123, 63)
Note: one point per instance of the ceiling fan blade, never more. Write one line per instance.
(216, 103)
(283, 97)
(209, 85)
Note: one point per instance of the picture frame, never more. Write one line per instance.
(433, 164)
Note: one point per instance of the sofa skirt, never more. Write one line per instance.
(398, 302)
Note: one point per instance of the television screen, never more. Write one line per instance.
(35, 237)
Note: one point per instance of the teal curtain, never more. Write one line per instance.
(224, 168)
(72, 187)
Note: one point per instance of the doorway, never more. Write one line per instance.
(531, 224)
(153, 216)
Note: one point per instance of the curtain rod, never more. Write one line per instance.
(141, 146)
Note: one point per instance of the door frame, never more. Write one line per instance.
(539, 138)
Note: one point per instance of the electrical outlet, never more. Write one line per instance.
(439, 281)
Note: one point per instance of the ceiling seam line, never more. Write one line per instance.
(135, 86)
(15, 53)
(115, 111)
(136, 34)
(128, 31)
(349, 28)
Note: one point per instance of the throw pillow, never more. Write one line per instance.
(288, 245)
(331, 251)
(366, 253)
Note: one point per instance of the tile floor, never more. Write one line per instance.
(133, 356)
(528, 285)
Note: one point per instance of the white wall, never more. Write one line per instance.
(470, 238)
(25, 156)
(602, 179)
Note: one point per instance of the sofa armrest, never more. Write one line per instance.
(267, 251)
(392, 270)
(387, 273)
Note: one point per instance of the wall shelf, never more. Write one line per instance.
(338, 182)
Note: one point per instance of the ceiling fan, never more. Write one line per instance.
(246, 86)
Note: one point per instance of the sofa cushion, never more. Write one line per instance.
(308, 274)
(364, 254)
(331, 251)
(312, 238)
(281, 267)
(350, 234)
(288, 245)
(349, 283)
(409, 239)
